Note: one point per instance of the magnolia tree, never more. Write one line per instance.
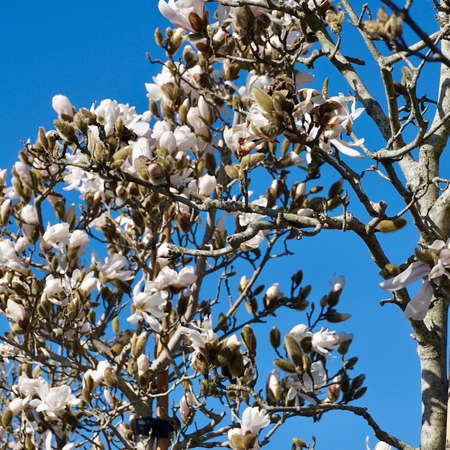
(166, 209)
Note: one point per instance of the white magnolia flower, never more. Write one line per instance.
(168, 277)
(147, 305)
(154, 91)
(54, 401)
(324, 341)
(5, 210)
(9, 259)
(29, 386)
(186, 138)
(81, 180)
(180, 13)
(6, 351)
(201, 336)
(110, 399)
(56, 234)
(168, 141)
(97, 375)
(295, 387)
(112, 268)
(337, 285)
(54, 286)
(16, 312)
(417, 307)
(252, 421)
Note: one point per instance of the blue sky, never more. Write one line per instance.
(90, 51)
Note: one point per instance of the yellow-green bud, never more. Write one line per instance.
(299, 443)
(249, 339)
(111, 378)
(42, 137)
(284, 365)
(81, 123)
(66, 131)
(275, 337)
(159, 37)
(7, 417)
(140, 343)
(389, 226)
(294, 350)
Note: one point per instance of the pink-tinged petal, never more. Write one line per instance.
(436, 245)
(444, 256)
(174, 16)
(437, 270)
(413, 273)
(307, 398)
(223, 13)
(418, 306)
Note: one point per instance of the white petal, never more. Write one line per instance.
(345, 147)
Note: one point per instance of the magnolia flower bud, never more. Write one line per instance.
(126, 431)
(61, 104)
(207, 185)
(273, 387)
(284, 365)
(249, 339)
(16, 406)
(236, 365)
(21, 244)
(70, 216)
(81, 123)
(275, 337)
(359, 393)
(23, 172)
(272, 295)
(156, 174)
(249, 441)
(139, 345)
(142, 364)
(389, 271)
(243, 284)
(389, 226)
(294, 350)
(205, 110)
(66, 131)
(299, 443)
(186, 410)
(7, 417)
(110, 377)
(188, 54)
(5, 211)
(236, 442)
(109, 398)
(358, 381)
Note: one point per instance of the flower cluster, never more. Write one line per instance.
(432, 268)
